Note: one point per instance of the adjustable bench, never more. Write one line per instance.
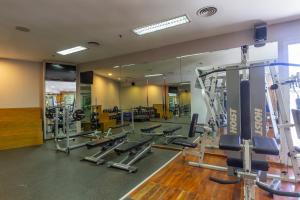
(135, 150)
(168, 133)
(184, 142)
(149, 129)
(107, 144)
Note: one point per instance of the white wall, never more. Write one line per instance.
(106, 92)
(20, 84)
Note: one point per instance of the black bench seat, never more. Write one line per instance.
(185, 143)
(133, 145)
(150, 128)
(265, 145)
(171, 129)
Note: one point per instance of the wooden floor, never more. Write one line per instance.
(180, 181)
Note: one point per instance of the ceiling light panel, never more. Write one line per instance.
(71, 50)
(153, 75)
(162, 25)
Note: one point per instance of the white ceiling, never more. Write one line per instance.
(171, 67)
(60, 24)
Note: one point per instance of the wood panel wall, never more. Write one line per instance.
(20, 127)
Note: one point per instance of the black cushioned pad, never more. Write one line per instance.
(105, 141)
(297, 148)
(255, 164)
(185, 143)
(132, 145)
(230, 142)
(150, 128)
(171, 129)
(265, 145)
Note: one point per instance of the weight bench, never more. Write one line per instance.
(135, 150)
(184, 142)
(150, 129)
(76, 135)
(107, 144)
(253, 170)
(168, 133)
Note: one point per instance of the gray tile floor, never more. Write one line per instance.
(40, 173)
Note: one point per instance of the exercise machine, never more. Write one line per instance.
(68, 118)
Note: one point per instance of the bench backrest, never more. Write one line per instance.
(193, 125)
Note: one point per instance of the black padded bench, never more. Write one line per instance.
(107, 140)
(185, 143)
(171, 129)
(150, 128)
(128, 146)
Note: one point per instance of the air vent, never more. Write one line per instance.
(93, 44)
(22, 28)
(207, 11)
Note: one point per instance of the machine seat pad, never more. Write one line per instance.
(171, 129)
(230, 142)
(133, 144)
(150, 128)
(255, 164)
(185, 143)
(265, 145)
(297, 149)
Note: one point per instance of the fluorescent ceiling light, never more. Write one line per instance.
(185, 83)
(128, 65)
(71, 50)
(153, 75)
(196, 54)
(115, 67)
(162, 25)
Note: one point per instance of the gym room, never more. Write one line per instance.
(183, 100)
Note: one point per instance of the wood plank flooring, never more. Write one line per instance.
(180, 181)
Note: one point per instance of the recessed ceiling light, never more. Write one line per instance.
(153, 75)
(71, 50)
(162, 25)
(23, 29)
(109, 74)
(207, 11)
(115, 67)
